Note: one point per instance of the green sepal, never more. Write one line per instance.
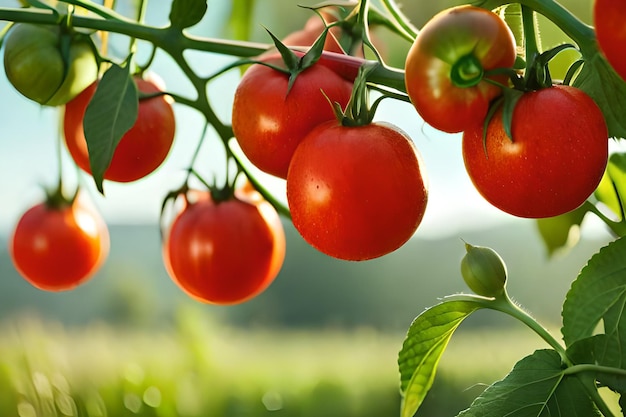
(295, 64)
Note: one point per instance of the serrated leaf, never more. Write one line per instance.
(600, 81)
(110, 114)
(599, 294)
(421, 351)
(187, 13)
(561, 233)
(536, 387)
(612, 188)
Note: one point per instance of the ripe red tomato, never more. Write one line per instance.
(269, 123)
(609, 17)
(142, 149)
(553, 164)
(444, 67)
(57, 249)
(356, 193)
(225, 252)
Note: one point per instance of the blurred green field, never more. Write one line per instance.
(197, 367)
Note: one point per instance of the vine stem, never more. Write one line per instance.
(504, 304)
(576, 29)
(405, 24)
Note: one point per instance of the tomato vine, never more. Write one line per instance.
(356, 187)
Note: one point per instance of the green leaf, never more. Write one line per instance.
(241, 18)
(612, 188)
(598, 79)
(110, 114)
(421, 351)
(536, 387)
(187, 13)
(599, 294)
(561, 233)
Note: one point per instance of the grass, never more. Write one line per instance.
(197, 367)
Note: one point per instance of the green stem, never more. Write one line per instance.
(619, 228)
(504, 304)
(101, 11)
(530, 34)
(590, 368)
(404, 23)
(576, 29)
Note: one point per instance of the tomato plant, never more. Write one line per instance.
(356, 192)
(38, 67)
(355, 188)
(269, 121)
(446, 68)
(553, 162)
(143, 148)
(225, 252)
(57, 248)
(608, 18)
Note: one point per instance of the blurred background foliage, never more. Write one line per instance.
(321, 341)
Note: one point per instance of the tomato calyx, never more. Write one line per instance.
(467, 71)
(358, 111)
(294, 64)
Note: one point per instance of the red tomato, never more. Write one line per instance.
(57, 249)
(356, 193)
(553, 164)
(609, 17)
(444, 67)
(225, 252)
(269, 123)
(142, 149)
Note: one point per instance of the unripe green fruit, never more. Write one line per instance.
(35, 66)
(483, 270)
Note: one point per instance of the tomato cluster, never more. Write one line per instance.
(356, 189)
(540, 156)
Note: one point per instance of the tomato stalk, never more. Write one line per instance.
(410, 31)
(576, 29)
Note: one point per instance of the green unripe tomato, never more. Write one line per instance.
(483, 270)
(35, 66)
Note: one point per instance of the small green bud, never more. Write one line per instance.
(483, 270)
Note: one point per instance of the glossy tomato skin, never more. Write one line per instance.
(553, 164)
(356, 193)
(57, 249)
(142, 149)
(225, 253)
(609, 17)
(269, 123)
(458, 34)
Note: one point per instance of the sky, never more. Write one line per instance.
(30, 133)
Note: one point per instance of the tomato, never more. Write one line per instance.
(225, 252)
(444, 69)
(35, 66)
(553, 163)
(356, 193)
(269, 123)
(59, 248)
(608, 18)
(142, 149)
